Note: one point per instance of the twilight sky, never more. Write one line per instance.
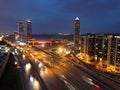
(57, 16)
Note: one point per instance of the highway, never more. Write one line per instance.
(52, 72)
(66, 72)
(50, 79)
(30, 78)
(97, 81)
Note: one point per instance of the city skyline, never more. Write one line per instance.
(101, 16)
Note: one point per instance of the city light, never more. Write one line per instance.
(60, 49)
(44, 47)
(27, 68)
(23, 57)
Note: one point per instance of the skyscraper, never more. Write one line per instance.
(28, 29)
(76, 33)
(21, 29)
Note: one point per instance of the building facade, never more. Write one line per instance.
(114, 51)
(102, 47)
(76, 33)
(25, 30)
(21, 29)
(28, 29)
(117, 61)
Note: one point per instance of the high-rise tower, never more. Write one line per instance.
(21, 29)
(76, 33)
(28, 29)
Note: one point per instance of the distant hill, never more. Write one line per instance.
(53, 36)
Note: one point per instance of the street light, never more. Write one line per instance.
(60, 49)
(43, 45)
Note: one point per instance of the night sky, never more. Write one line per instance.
(57, 16)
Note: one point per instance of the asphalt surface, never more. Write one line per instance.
(55, 74)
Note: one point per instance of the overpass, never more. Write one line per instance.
(35, 42)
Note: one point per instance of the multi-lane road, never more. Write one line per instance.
(43, 70)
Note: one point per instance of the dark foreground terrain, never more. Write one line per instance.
(10, 78)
